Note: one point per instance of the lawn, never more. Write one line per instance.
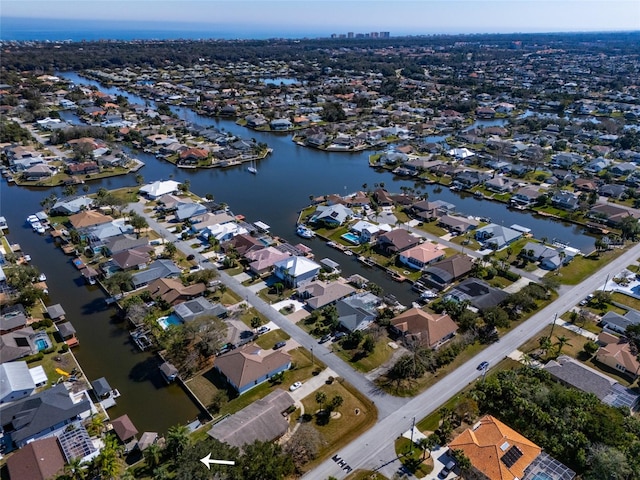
(432, 228)
(582, 267)
(206, 385)
(357, 414)
(247, 315)
(229, 297)
(269, 339)
(380, 355)
(366, 475)
(625, 300)
(412, 458)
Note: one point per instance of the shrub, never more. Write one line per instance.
(64, 348)
(34, 358)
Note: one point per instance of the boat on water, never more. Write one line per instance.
(42, 277)
(141, 339)
(305, 232)
(252, 168)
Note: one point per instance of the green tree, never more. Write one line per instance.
(321, 399)
(256, 322)
(152, 455)
(562, 341)
(265, 461)
(177, 440)
(170, 249)
(336, 402)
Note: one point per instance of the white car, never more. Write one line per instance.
(295, 386)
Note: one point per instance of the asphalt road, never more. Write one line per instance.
(374, 449)
(371, 450)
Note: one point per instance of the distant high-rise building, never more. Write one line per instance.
(350, 35)
(385, 35)
(333, 35)
(374, 34)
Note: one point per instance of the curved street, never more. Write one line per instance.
(374, 449)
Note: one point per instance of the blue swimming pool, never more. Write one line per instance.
(165, 322)
(351, 238)
(42, 341)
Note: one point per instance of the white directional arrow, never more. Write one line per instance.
(208, 461)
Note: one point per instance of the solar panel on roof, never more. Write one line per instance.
(511, 456)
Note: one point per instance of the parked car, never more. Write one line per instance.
(483, 366)
(586, 300)
(262, 330)
(339, 335)
(279, 345)
(325, 338)
(295, 386)
(447, 469)
(190, 257)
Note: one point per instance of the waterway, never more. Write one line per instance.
(285, 181)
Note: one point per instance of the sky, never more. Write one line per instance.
(323, 17)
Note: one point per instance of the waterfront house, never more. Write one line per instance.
(83, 168)
(367, 231)
(470, 178)
(261, 261)
(383, 198)
(332, 215)
(17, 344)
(615, 352)
(56, 312)
(249, 366)
(70, 206)
(442, 273)
(571, 372)
(609, 214)
(496, 236)
(319, 294)
(264, 420)
(172, 291)
(16, 381)
(423, 254)
(458, 225)
(526, 196)
(199, 307)
(38, 172)
(477, 292)
(39, 460)
(500, 184)
(280, 124)
(417, 327)
(188, 210)
(88, 218)
(13, 318)
(296, 271)
(42, 415)
(157, 189)
(207, 220)
(497, 452)
(132, 259)
(396, 241)
(123, 242)
(242, 244)
(358, 311)
(161, 268)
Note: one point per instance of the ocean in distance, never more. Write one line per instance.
(60, 30)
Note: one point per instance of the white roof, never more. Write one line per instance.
(14, 377)
(159, 188)
(297, 266)
(38, 375)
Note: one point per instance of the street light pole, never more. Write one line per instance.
(413, 425)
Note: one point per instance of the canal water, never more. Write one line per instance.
(282, 187)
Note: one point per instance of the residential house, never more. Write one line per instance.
(16, 381)
(550, 258)
(427, 211)
(249, 366)
(17, 344)
(192, 156)
(615, 352)
(498, 452)
(566, 160)
(88, 218)
(570, 372)
(13, 319)
(126, 431)
(367, 232)
(612, 190)
(382, 197)
(332, 215)
(396, 241)
(56, 312)
(185, 211)
(242, 244)
(281, 124)
(159, 188)
(443, 273)
(496, 236)
(264, 420)
(83, 168)
(358, 311)
(415, 326)
(132, 259)
(161, 268)
(70, 206)
(42, 415)
(609, 214)
(296, 271)
(119, 243)
(500, 184)
(173, 291)
(470, 178)
(38, 172)
(478, 293)
(319, 294)
(422, 255)
(458, 225)
(624, 168)
(39, 460)
(525, 196)
(261, 261)
(614, 322)
(199, 307)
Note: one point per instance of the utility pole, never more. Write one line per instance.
(553, 325)
(312, 357)
(413, 425)
(604, 287)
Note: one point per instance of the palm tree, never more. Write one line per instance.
(177, 440)
(562, 341)
(75, 469)
(152, 455)
(321, 399)
(545, 344)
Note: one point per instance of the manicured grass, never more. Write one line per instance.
(249, 314)
(573, 348)
(380, 354)
(229, 297)
(411, 457)
(466, 242)
(625, 300)
(339, 432)
(582, 267)
(269, 339)
(432, 228)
